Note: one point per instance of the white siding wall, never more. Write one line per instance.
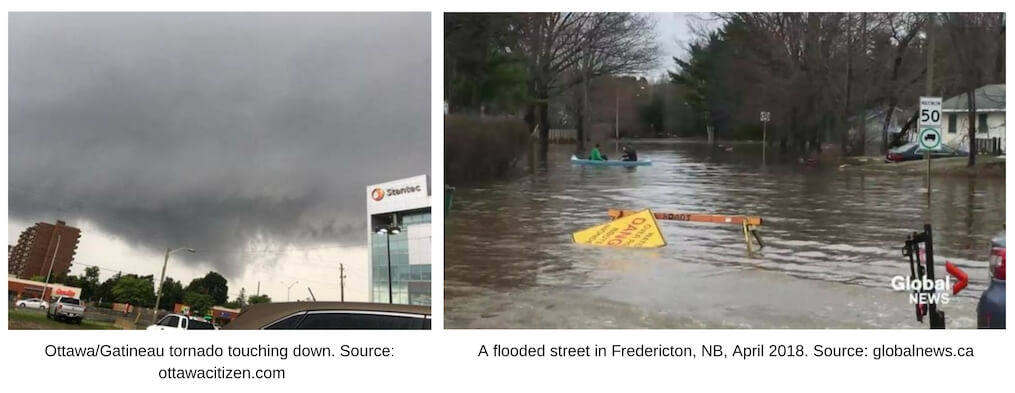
(958, 137)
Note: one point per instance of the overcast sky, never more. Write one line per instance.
(235, 134)
(674, 33)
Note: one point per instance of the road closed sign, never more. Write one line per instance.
(637, 230)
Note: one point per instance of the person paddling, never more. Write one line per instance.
(629, 154)
(594, 155)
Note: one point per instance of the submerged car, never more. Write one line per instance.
(912, 151)
(181, 322)
(990, 309)
(32, 303)
(332, 315)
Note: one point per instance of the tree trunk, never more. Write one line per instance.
(972, 124)
(579, 130)
(543, 111)
(885, 145)
(844, 139)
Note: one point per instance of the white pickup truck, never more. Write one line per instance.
(66, 308)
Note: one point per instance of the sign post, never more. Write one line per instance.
(930, 132)
(765, 118)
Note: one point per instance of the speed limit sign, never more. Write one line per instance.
(930, 123)
(930, 112)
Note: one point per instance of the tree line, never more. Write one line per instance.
(818, 74)
(519, 63)
(201, 294)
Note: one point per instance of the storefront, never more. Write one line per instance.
(18, 289)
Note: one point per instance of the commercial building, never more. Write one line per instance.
(398, 235)
(18, 289)
(40, 246)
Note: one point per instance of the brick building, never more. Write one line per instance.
(36, 248)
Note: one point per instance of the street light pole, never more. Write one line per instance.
(389, 232)
(289, 288)
(391, 298)
(51, 263)
(158, 294)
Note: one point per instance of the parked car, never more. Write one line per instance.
(181, 322)
(32, 303)
(332, 315)
(990, 309)
(66, 308)
(912, 151)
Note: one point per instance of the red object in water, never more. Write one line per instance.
(960, 275)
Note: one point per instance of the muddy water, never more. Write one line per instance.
(833, 242)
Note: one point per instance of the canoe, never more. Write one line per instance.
(579, 161)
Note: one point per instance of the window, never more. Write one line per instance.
(196, 324)
(288, 323)
(69, 300)
(981, 126)
(337, 320)
(953, 126)
(183, 323)
(170, 321)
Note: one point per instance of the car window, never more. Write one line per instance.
(196, 324)
(288, 323)
(183, 323)
(170, 321)
(338, 320)
(69, 300)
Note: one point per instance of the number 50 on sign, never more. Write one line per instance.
(930, 112)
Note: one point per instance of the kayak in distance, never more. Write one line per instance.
(576, 160)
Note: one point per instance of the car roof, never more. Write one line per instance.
(260, 315)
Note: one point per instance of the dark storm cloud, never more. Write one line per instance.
(215, 130)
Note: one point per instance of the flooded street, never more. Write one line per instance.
(833, 242)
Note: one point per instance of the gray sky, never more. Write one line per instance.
(222, 132)
(674, 34)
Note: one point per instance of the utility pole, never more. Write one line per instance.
(158, 293)
(51, 263)
(616, 115)
(341, 279)
(930, 90)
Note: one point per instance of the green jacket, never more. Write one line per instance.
(594, 155)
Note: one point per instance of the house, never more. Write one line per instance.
(989, 117)
(874, 120)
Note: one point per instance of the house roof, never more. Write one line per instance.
(989, 98)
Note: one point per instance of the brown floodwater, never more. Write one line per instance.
(833, 242)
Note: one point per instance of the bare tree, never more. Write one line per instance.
(566, 49)
(973, 39)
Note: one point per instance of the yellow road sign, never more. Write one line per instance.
(636, 230)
